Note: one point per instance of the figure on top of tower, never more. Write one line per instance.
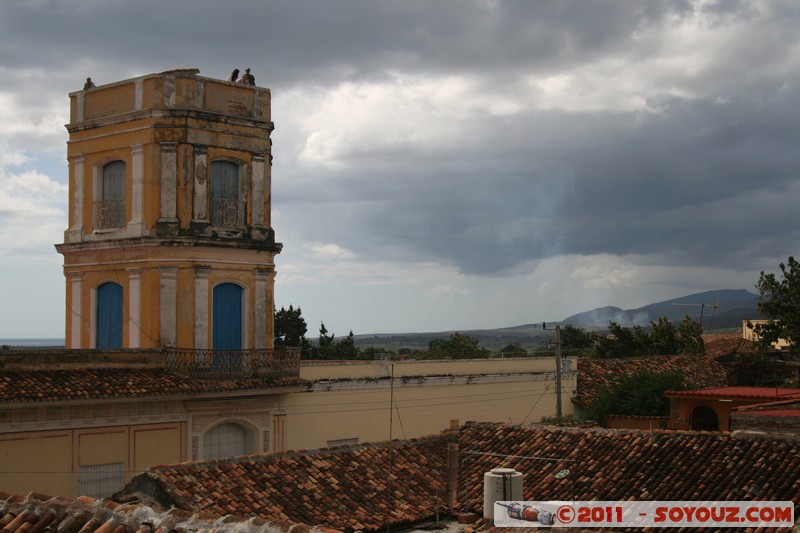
(248, 79)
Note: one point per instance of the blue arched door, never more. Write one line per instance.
(226, 331)
(109, 315)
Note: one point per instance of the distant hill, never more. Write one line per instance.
(721, 309)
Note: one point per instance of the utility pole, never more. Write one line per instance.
(558, 371)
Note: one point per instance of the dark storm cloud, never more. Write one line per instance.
(309, 40)
(705, 175)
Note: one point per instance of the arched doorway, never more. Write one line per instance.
(704, 419)
(227, 440)
(109, 316)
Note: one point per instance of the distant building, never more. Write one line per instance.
(781, 418)
(710, 409)
(749, 333)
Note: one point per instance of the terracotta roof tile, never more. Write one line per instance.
(36, 513)
(22, 386)
(596, 373)
(726, 345)
(347, 487)
(625, 465)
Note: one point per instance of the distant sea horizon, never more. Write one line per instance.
(41, 341)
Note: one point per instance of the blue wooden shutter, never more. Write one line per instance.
(109, 315)
(227, 317)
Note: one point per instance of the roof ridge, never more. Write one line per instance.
(302, 452)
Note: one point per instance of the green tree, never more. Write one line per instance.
(458, 346)
(690, 337)
(513, 350)
(640, 393)
(329, 348)
(576, 340)
(346, 348)
(663, 338)
(290, 329)
(325, 339)
(779, 304)
(620, 342)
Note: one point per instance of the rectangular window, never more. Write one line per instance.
(227, 209)
(109, 208)
(100, 481)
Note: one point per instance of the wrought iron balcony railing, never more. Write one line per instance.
(227, 213)
(281, 362)
(109, 214)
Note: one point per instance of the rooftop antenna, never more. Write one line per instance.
(702, 309)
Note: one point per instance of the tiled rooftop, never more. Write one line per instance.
(631, 465)
(726, 346)
(344, 488)
(700, 371)
(37, 513)
(22, 386)
(751, 393)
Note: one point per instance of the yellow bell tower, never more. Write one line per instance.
(170, 240)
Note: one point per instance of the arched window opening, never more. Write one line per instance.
(109, 209)
(109, 316)
(227, 440)
(227, 207)
(704, 419)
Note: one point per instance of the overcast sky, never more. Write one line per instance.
(445, 165)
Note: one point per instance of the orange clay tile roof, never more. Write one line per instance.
(595, 373)
(344, 487)
(726, 345)
(630, 465)
(757, 393)
(98, 383)
(37, 513)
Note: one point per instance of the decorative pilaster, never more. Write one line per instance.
(257, 216)
(136, 225)
(270, 308)
(74, 311)
(168, 305)
(278, 432)
(134, 307)
(138, 94)
(167, 224)
(260, 309)
(200, 200)
(201, 285)
(75, 231)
